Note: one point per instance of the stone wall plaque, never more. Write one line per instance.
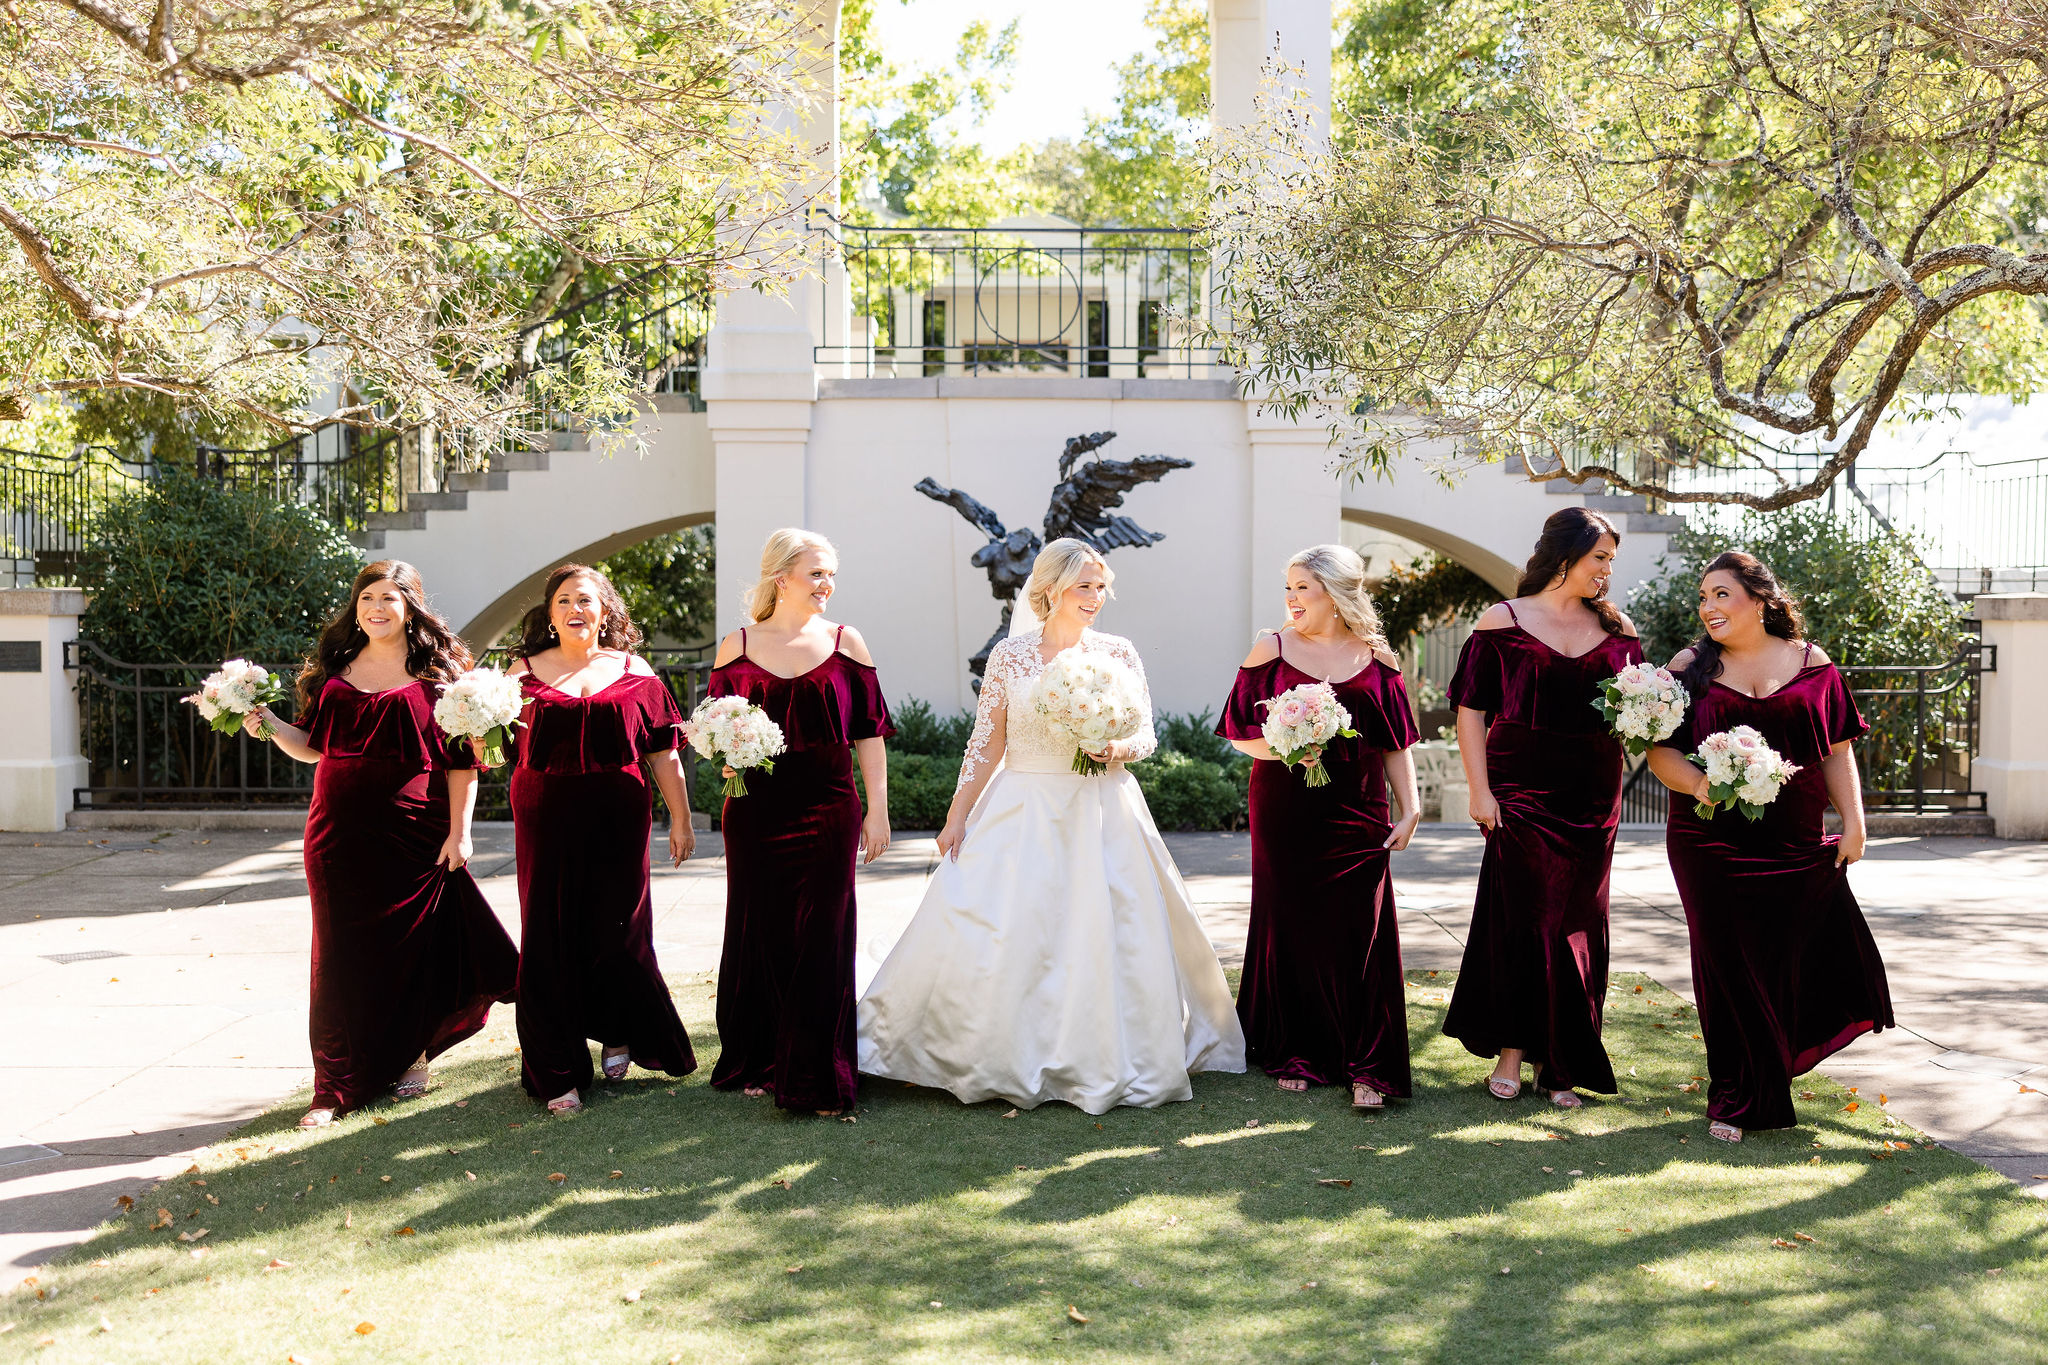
(21, 656)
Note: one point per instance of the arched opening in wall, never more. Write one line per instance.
(1430, 587)
(667, 571)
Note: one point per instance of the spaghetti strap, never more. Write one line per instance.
(1279, 647)
(1511, 613)
(1806, 659)
(835, 638)
(743, 642)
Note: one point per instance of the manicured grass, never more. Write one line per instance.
(691, 1225)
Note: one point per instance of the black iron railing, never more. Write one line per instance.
(146, 749)
(48, 507)
(1076, 302)
(1917, 757)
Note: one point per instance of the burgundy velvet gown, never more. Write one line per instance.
(407, 956)
(1534, 975)
(1783, 965)
(1321, 999)
(582, 812)
(786, 1007)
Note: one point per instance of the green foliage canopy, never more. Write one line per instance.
(193, 572)
(1617, 241)
(669, 583)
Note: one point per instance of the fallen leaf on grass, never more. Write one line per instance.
(364, 1329)
(462, 1104)
(1800, 1236)
(615, 1175)
(1639, 990)
(348, 1220)
(557, 1177)
(404, 1232)
(1549, 1170)
(1345, 1184)
(1507, 1270)
(1808, 1095)
(1173, 1219)
(126, 1201)
(1251, 1123)
(1711, 1284)
(276, 1264)
(784, 1184)
(1883, 1098)
(1491, 1143)
(792, 1269)
(1690, 1087)
(1012, 1114)
(469, 1175)
(192, 1236)
(163, 1220)
(380, 1122)
(1574, 1172)
(632, 1296)
(1077, 1315)
(385, 1178)
(1781, 1244)
(1813, 1161)
(1851, 1107)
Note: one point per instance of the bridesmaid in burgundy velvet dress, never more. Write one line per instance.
(597, 722)
(1783, 965)
(1545, 777)
(407, 956)
(1321, 999)
(786, 1007)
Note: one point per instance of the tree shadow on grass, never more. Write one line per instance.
(1177, 1231)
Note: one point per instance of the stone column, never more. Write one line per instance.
(39, 759)
(2012, 749)
(1246, 34)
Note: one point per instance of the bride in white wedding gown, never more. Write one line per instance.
(1055, 955)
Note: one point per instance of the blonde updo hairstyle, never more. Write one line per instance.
(1058, 567)
(779, 554)
(1342, 574)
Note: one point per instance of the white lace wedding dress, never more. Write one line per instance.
(1059, 958)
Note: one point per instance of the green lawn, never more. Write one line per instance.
(692, 1225)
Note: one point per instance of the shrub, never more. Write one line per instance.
(194, 572)
(921, 730)
(1191, 793)
(669, 583)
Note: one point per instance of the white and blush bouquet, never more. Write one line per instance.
(1305, 718)
(1743, 772)
(481, 704)
(234, 690)
(737, 733)
(1094, 700)
(1643, 705)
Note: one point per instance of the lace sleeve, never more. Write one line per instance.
(1145, 742)
(991, 716)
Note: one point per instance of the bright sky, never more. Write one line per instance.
(1066, 54)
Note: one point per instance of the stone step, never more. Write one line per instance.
(1653, 523)
(1612, 504)
(449, 500)
(1949, 824)
(407, 520)
(480, 481)
(1565, 488)
(509, 461)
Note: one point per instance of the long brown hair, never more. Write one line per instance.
(433, 652)
(537, 632)
(1569, 535)
(1781, 615)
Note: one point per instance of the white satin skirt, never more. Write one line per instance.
(1058, 959)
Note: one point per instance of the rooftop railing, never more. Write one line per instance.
(1093, 303)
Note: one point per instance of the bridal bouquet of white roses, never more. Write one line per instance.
(481, 704)
(1743, 772)
(1643, 705)
(737, 733)
(232, 691)
(1304, 718)
(1094, 700)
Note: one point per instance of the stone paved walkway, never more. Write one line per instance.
(153, 986)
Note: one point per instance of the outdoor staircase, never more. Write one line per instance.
(453, 496)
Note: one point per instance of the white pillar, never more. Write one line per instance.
(39, 759)
(1244, 35)
(2012, 744)
(761, 371)
(1294, 502)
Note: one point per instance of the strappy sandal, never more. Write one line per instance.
(316, 1118)
(1294, 1085)
(1563, 1099)
(1501, 1088)
(1724, 1132)
(414, 1082)
(1364, 1096)
(617, 1063)
(571, 1103)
